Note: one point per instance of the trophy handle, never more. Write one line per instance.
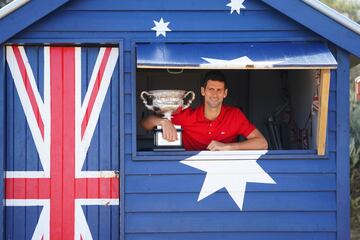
(190, 100)
(143, 95)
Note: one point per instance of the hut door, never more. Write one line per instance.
(62, 150)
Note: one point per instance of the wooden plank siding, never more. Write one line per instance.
(2, 134)
(159, 193)
(342, 148)
(103, 152)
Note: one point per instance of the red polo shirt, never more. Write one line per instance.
(198, 131)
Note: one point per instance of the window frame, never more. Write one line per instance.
(321, 150)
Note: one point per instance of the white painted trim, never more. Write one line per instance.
(42, 230)
(82, 230)
(97, 201)
(338, 17)
(47, 112)
(26, 103)
(99, 100)
(92, 83)
(11, 7)
(26, 174)
(26, 202)
(96, 174)
(78, 151)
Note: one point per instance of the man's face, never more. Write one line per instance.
(214, 93)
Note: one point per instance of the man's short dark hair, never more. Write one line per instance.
(214, 75)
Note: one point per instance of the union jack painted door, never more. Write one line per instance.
(62, 151)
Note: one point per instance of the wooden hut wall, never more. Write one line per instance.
(159, 194)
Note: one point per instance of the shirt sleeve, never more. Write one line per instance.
(245, 126)
(179, 118)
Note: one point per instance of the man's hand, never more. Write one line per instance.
(168, 130)
(217, 146)
(255, 141)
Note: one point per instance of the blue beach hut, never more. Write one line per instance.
(77, 165)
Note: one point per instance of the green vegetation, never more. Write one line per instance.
(349, 8)
(4, 2)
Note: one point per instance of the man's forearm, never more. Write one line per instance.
(168, 130)
(249, 144)
(257, 143)
(150, 122)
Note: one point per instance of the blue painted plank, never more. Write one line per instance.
(342, 147)
(31, 216)
(8, 224)
(105, 161)
(115, 116)
(319, 23)
(21, 151)
(230, 221)
(253, 202)
(181, 155)
(271, 166)
(36, 60)
(19, 220)
(332, 141)
(127, 100)
(179, 21)
(105, 136)
(144, 5)
(128, 123)
(101, 227)
(30, 36)
(121, 213)
(192, 183)
(92, 159)
(25, 16)
(127, 147)
(332, 101)
(15, 218)
(105, 224)
(128, 86)
(128, 64)
(9, 116)
(93, 219)
(3, 139)
(332, 121)
(276, 55)
(234, 236)
(333, 79)
(20, 130)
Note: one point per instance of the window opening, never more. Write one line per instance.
(289, 106)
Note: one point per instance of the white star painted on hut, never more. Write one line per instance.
(161, 27)
(236, 5)
(233, 175)
(241, 62)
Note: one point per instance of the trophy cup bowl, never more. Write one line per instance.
(166, 102)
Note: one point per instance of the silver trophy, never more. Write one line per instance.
(166, 102)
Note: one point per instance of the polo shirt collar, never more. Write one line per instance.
(201, 114)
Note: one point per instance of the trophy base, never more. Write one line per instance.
(163, 145)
